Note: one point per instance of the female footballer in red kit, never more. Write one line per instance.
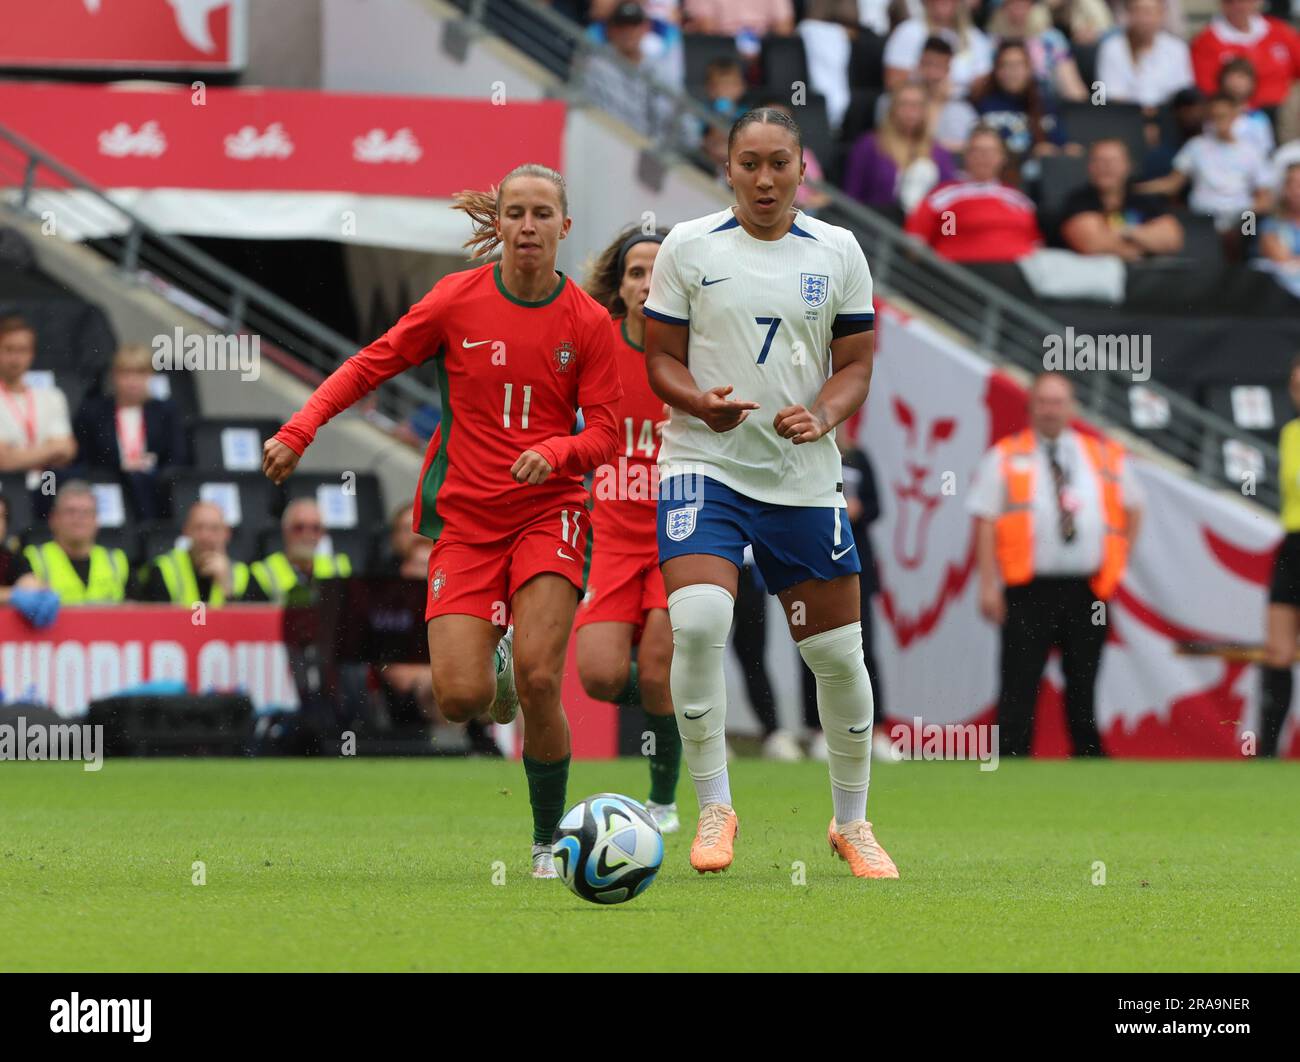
(519, 350)
(625, 601)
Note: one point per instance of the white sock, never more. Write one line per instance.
(845, 706)
(700, 615)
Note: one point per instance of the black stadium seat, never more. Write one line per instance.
(1085, 124)
(700, 50)
(341, 510)
(1259, 408)
(1085, 57)
(13, 488)
(1062, 175)
(249, 496)
(867, 61)
(233, 444)
(784, 63)
(859, 116)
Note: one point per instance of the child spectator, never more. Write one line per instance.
(1279, 235)
(1237, 80)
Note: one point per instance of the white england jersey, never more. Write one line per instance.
(760, 314)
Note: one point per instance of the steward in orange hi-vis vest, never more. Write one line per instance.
(1014, 529)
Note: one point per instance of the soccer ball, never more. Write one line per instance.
(607, 848)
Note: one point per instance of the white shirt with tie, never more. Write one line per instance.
(1053, 556)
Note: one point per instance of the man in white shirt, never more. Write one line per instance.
(1142, 63)
(35, 431)
(1056, 514)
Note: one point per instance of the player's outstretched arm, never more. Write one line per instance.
(841, 395)
(671, 380)
(415, 337)
(575, 455)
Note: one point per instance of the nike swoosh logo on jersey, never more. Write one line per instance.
(837, 556)
(467, 344)
(859, 729)
(702, 714)
(706, 282)
(561, 553)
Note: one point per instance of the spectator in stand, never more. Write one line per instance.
(656, 36)
(1228, 176)
(900, 154)
(660, 12)
(731, 18)
(1109, 217)
(1012, 103)
(1283, 159)
(1237, 80)
(1240, 31)
(1143, 63)
(724, 89)
(71, 564)
(19, 588)
(828, 30)
(1083, 21)
(1279, 235)
(1189, 110)
(951, 120)
(620, 93)
(202, 572)
(35, 433)
(1049, 51)
(978, 219)
(132, 433)
(289, 576)
(950, 19)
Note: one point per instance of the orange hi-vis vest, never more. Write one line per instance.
(1013, 532)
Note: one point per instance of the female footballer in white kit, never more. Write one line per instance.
(759, 336)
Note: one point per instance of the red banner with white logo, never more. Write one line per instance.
(282, 140)
(124, 34)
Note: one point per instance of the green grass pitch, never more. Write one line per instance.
(389, 865)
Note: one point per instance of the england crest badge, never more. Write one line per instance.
(814, 287)
(680, 523)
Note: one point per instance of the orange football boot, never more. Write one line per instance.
(856, 844)
(715, 837)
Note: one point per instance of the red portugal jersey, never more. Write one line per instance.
(624, 494)
(512, 376)
(975, 221)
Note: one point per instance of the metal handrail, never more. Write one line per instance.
(999, 326)
(233, 300)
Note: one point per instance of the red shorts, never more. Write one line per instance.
(480, 578)
(622, 588)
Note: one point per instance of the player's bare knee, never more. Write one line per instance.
(459, 700)
(537, 684)
(603, 681)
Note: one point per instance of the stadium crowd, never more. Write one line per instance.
(1119, 131)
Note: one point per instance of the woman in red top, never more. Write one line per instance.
(626, 602)
(519, 349)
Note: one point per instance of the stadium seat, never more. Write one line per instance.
(700, 50)
(162, 536)
(867, 61)
(859, 116)
(1259, 408)
(816, 128)
(1085, 57)
(784, 63)
(1201, 242)
(1085, 124)
(249, 500)
(1062, 175)
(13, 487)
(232, 444)
(341, 510)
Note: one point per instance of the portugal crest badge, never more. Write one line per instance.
(564, 356)
(814, 287)
(438, 581)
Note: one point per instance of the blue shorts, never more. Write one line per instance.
(791, 543)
